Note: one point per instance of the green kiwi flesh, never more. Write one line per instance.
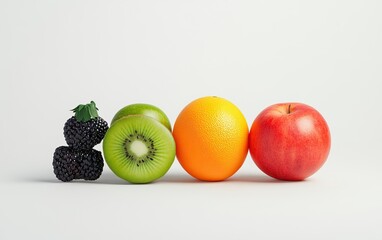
(144, 109)
(139, 149)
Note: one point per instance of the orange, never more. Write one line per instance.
(211, 136)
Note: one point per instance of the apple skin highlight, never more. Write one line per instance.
(289, 141)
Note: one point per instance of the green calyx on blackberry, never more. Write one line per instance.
(85, 129)
(139, 149)
(69, 164)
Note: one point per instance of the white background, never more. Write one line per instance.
(57, 54)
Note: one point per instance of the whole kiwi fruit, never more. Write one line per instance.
(144, 109)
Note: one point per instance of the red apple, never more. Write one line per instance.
(289, 141)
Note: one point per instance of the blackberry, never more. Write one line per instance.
(69, 164)
(86, 129)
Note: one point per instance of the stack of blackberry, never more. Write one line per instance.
(82, 132)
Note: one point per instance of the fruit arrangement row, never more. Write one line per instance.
(210, 139)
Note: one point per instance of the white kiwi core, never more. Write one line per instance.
(138, 148)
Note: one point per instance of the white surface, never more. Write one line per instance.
(56, 54)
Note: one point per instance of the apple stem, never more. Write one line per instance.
(289, 108)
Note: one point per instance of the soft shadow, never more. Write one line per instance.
(110, 178)
(185, 178)
(254, 178)
(244, 178)
(41, 180)
(178, 178)
(106, 178)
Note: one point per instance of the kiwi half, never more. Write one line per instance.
(139, 149)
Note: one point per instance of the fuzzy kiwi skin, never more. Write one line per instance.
(144, 109)
(116, 158)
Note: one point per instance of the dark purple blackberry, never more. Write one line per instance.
(69, 164)
(86, 129)
(64, 164)
(91, 165)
